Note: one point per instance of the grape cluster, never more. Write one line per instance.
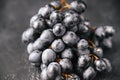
(64, 46)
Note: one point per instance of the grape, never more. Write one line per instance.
(67, 53)
(107, 42)
(89, 73)
(35, 56)
(78, 6)
(98, 52)
(71, 21)
(34, 18)
(82, 28)
(58, 45)
(47, 35)
(82, 44)
(56, 4)
(71, 18)
(39, 25)
(83, 61)
(59, 29)
(54, 69)
(48, 56)
(45, 11)
(100, 65)
(27, 35)
(108, 64)
(99, 32)
(56, 17)
(66, 65)
(70, 38)
(109, 30)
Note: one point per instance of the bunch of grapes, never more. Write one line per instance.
(63, 44)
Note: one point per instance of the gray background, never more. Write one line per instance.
(14, 19)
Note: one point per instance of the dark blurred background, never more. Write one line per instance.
(14, 19)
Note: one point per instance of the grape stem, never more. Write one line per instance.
(93, 57)
(65, 4)
(68, 76)
(92, 45)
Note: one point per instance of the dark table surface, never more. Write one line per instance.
(14, 19)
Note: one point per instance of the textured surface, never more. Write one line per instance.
(14, 19)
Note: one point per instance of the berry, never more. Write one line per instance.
(48, 56)
(59, 29)
(58, 45)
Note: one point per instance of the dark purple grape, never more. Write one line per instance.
(79, 7)
(89, 73)
(71, 20)
(53, 70)
(45, 11)
(109, 30)
(35, 56)
(108, 64)
(70, 38)
(66, 65)
(55, 4)
(100, 65)
(27, 35)
(59, 29)
(82, 44)
(98, 52)
(48, 56)
(47, 36)
(56, 17)
(58, 45)
(83, 61)
(67, 53)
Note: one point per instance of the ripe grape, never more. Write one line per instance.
(48, 56)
